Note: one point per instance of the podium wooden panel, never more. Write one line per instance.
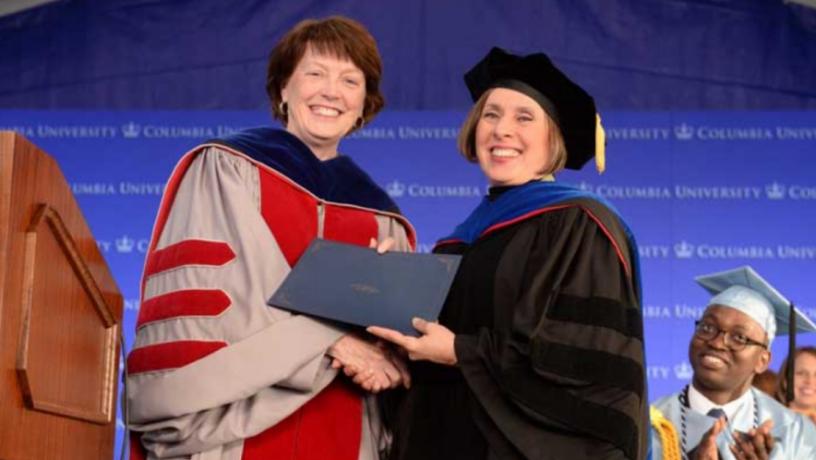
(60, 313)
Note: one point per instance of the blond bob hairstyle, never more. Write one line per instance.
(335, 36)
(466, 141)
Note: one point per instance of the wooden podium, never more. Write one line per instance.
(60, 314)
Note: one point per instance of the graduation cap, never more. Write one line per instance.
(744, 290)
(534, 75)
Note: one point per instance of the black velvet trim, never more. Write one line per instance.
(608, 424)
(588, 365)
(494, 192)
(450, 247)
(613, 223)
(536, 95)
(597, 311)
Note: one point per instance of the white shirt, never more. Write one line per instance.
(701, 404)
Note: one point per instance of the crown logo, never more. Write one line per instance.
(683, 371)
(775, 191)
(131, 130)
(585, 186)
(683, 250)
(125, 244)
(684, 132)
(395, 189)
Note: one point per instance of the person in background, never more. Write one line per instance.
(720, 415)
(215, 373)
(804, 382)
(538, 352)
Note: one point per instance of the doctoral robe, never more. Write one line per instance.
(549, 338)
(215, 373)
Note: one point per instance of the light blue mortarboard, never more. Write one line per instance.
(744, 290)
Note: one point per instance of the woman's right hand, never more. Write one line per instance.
(371, 365)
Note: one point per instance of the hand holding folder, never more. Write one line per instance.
(358, 286)
(436, 343)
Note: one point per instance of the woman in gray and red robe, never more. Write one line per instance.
(215, 373)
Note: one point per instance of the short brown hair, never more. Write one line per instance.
(336, 36)
(467, 137)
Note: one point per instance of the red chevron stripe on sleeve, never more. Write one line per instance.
(170, 355)
(177, 304)
(189, 252)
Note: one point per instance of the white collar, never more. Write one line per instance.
(699, 403)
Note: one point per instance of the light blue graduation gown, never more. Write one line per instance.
(795, 435)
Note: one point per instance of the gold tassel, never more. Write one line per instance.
(600, 145)
(667, 433)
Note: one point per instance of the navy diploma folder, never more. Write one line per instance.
(356, 285)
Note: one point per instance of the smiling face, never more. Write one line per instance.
(804, 382)
(325, 97)
(722, 374)
(512, 138)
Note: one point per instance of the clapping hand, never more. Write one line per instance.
(757, 444)
(707, 449)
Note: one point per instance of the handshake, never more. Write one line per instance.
(379, 362)
(373, 365)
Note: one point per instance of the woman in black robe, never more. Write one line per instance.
(538, 352)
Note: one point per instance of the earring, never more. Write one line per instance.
(283, 107)
(359, 123)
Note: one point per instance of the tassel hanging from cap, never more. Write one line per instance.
(600, 145)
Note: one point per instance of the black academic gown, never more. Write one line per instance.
(549, 346)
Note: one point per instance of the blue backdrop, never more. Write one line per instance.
(211, 54)
(117, 90)
(703, 191)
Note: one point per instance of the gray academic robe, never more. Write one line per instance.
(213, 367)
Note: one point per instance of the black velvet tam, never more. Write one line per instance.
(572, 108)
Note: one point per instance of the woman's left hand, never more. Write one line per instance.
(435, 344)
